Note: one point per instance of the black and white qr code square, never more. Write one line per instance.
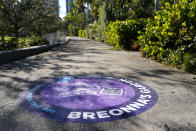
(111, 91)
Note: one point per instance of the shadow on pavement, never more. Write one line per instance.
(60, 61)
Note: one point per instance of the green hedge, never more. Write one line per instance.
(10, 43)
(82, 33)
(94, 31)
(171, 36)
(123, 34)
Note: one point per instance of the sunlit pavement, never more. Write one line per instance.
(174, 111)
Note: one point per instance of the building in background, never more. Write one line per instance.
(57, 4)
(68, 7)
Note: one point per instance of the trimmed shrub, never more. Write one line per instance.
(171, 35)
(13, 43)
(94, 31)
(124, 34)
(92, 34)
(36, 41)
(82, 33)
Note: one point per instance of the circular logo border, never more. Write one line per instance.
(143, 100)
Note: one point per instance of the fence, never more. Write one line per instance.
(55, 37)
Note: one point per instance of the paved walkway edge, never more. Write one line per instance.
(12, 55)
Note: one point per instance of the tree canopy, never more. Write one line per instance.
(25, 17)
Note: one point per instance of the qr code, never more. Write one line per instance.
(111, 91)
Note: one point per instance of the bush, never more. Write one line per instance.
(171, 35)
(92, 34)
(13, 43)
(36, 41)
(92, 31)
(124, 34)
(8, 43)
(97, 31)
(73, 30)
(82, 33)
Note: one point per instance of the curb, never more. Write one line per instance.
(12, 55)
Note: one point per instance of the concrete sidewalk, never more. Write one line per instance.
(174, 111)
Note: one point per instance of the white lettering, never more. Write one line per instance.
(136, 105)
(145, 96)
(145, 91)
(74, 115)
(128, 109)
(87, 115)
(131, 83)
(143, 101)
(116, 112)
(138, 85)
(102, 114)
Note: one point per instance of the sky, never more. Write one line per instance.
(62, 11)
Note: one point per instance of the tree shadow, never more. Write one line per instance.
(25, 74)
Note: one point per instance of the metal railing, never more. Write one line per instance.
(55, 37)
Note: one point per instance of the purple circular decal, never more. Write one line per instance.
(88, 99)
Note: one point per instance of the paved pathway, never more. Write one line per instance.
(176, 107)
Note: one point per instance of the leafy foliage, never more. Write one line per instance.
(26, 21)
(74, 23)
(82, 33)
(171, 35)
(128, 9)
(26, 17)
(11, 43)
(123, 34)
(76, 18)
(97, 30)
